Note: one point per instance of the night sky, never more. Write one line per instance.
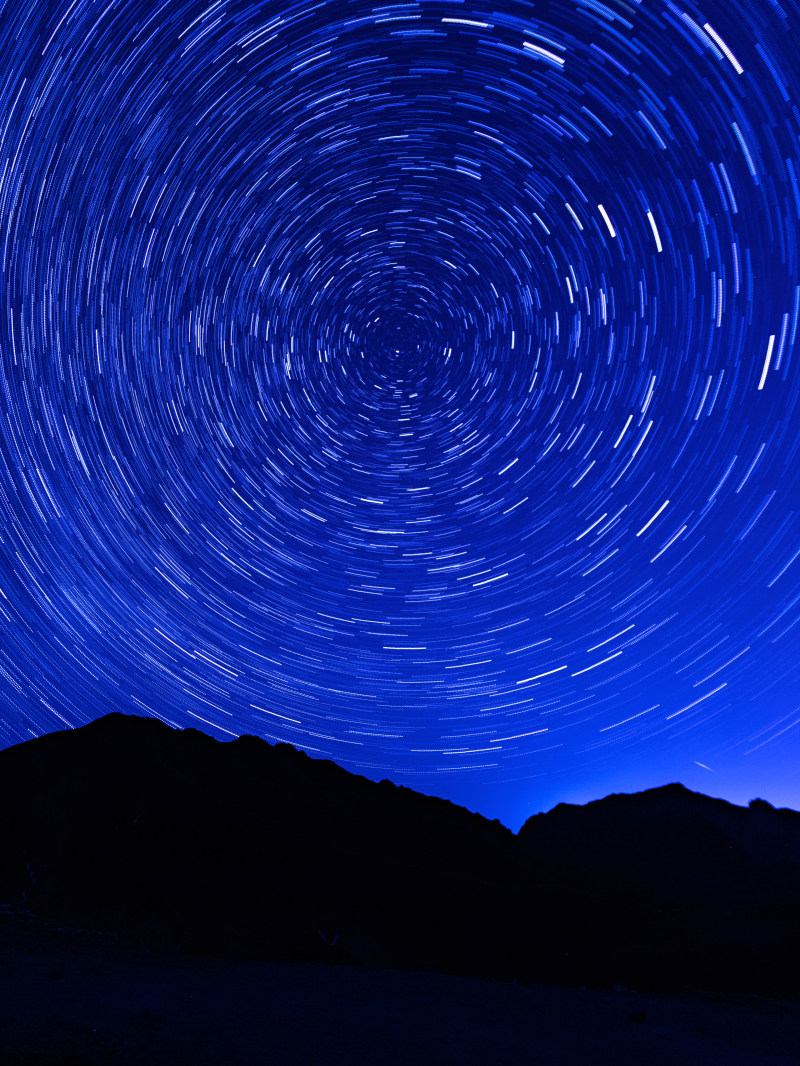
(413, 383)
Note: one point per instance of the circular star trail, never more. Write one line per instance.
(414, 383)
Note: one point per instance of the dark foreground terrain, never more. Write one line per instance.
(75, 1000)
(220, 876)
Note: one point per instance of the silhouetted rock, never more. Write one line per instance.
(245, 849)
(672, 844)
(178, 842)
(671, 887)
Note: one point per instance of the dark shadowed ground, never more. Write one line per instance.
(79, 1000)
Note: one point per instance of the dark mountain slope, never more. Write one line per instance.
(672, 845)
(672, 886)
(248, 849)
(244, 849)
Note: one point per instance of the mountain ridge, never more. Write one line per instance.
(175, 841)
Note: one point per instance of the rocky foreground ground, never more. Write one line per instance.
(79, 1000)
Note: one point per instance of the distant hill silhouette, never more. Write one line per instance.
(179, 842)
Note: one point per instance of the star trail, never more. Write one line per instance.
(412, 383)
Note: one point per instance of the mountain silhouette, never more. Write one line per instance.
(177, 842)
